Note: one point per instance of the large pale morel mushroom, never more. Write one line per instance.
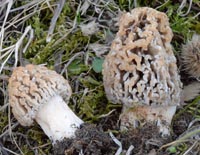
(140, 71)
(41, 95)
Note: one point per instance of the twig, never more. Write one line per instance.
(15, 47)
(106, 115)
(70, 30)
(32, 3)
(10, 151)
(183, 4)
(135, 3)
(119, 151)
(20, 41)
(2, 150)
(193, 122)
(7, 131)
(10, 2)
(10, 131)
(184, 137)
(130, 149)
(41, 146)
(187, 152)
(3, 64)
(3, 107)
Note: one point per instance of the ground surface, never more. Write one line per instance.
(75, 47)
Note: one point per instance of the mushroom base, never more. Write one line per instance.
(57, 120)
(161, 115)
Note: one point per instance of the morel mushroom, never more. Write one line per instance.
(36, 93)
(140, 70)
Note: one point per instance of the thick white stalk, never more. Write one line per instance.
(57, 120)
(161, 115)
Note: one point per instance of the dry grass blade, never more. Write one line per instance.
(10, 3)
(185, 137)
(73, 27)
(18, 44)
(16, 47)
(10, 151)
(119, 151)
(32, 3)
(130, 149)
(54, 19)
(99, 49)
(7, 131)
(183, 4)
(3, 107)
(84, 7)
(188, 151)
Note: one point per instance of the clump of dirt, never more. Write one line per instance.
(144, 139)
(186, 79)
(180, 124)
(89, 139)
(110, 122)
(92, 140)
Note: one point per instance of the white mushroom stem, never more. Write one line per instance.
(161, 115)
(57, 120)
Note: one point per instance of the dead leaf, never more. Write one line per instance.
(191, 91)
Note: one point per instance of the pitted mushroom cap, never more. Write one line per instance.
(141, 67)
(31, 86)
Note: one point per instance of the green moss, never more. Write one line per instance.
(93, 102)
(192, 108)
(76, 67)
(43, 51)
(182, 147)
(40, 51)
(36, 135)
(26, 150)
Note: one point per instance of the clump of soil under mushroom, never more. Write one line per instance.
(89, 140)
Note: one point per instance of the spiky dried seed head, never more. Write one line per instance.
(190, 56)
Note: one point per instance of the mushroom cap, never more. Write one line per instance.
(141, 67)
(31, 86)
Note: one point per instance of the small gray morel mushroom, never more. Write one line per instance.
(140, 70)
(36, 93)
(41, 95)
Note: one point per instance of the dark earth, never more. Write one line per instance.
(92, 140)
